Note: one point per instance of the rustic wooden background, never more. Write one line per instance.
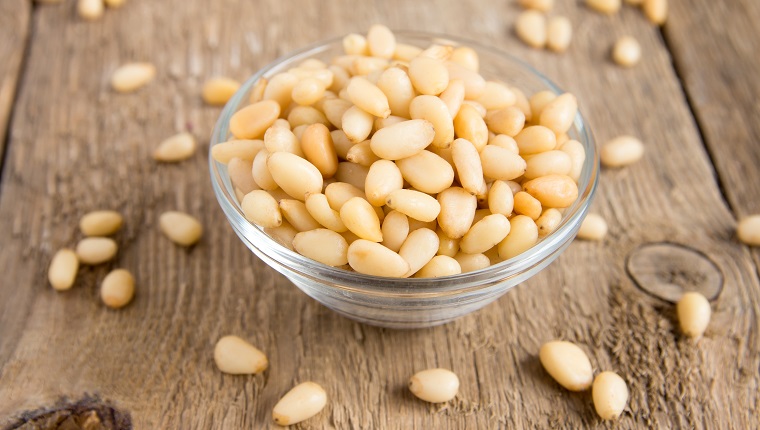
(72, 145)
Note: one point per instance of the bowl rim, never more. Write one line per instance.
(291, 262)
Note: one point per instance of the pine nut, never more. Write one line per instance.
(553, 191)
(496, 96)
(535, 139)
(319, 208)
(244, 149)
(387, 122)
(548, 222)
(474, 84)
(434, 385)
(457, 211)
(446, 245)
(403, 139)
(283, 234)
(176, 148)
(548, 163)
(395, 230)
(621, 151)
(567, 364)
(559, 33)
(260, 208)
(383, 178)
(748, 230)
(500, 163)
(355, 44)
(469, 125)
(429, 76)
(280, 89)
(508, 121)
(398, 89)
(322, 245)
(133, 76)
(465, 57)
(368, 97)
(504, 141)
(96, 250)
(297, 215)
(471, 262)
(593, 227)
(693, 314)
(362, 154)
(235, 356)
(300, 403)
(608, 7)
(577, 154)
(360, 217)
(437, 52)
(306, 115)
(371, 258)
(295, 175)
(523, 234)
(440, 265)
(656, 11)
(434, 110)
(468, 166)
(426, 172)
(485, 234)
(531, 28)
(318, 148)
(90, 9)
(381, 41)
(260, 172)
(257, 92)
(420, 246)
(253, 120)
(114, 3)
(453, 96)
(522, 103)
(335, 109)
(559, 113)
(338, 193)
(357, 124)
(352, 173)
(527, 205)
(542, 5)
(63, 269)
(414, 204)
(117, 288)
(626, 52)
(610, 394)
(500, 198)
(100, 223)
(308, 91)
(406, 52)
(219, 90)
(180, 228)
(539, 100)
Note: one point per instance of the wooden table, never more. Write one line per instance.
(72, 145)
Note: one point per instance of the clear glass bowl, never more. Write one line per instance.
(395, 302)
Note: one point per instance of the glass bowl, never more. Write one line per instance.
(398, 302)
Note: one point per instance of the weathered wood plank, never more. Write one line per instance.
(14, 30)
(154, 357)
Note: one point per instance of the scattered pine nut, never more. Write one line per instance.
(531, 28)
(748, 230)
(300, 403)
(180, 228)
(114, 3)
(610, 394)
(100, 223)
(593, 227)
(90, 9)
(693, 314)
(434, 385)
(656, 11)
(626, 52)
(608, 7)
(219, 90)
(176, 148)
(132, 76)
(621, 151)
(63, 269)
(567, 364)
(96, 250)
(235, 356)
(542, 5)
(117, 288)
(559, 33)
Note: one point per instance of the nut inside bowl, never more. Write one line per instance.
(407, 302)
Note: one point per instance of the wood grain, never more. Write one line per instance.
(154, 358)
(14, 30)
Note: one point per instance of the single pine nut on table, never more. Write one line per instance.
(458, 163)
(626, 52)
(434, 385)
(63, 269)
(610, 395)
(300, 403)
(694, 312)
(567, 364)
(117, 288)
(235, 356)
(100, 223)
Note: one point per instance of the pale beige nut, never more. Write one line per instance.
(90, 9)
(384, 177)
(414, 204)
(300, 403)
(381, 41)
(117, 288)
(403, 139)
(368, 97)
(235, 356)
(531, 28)
(548, 221)
(434, 385)
(626, 52)
(371, 258)
(548, 163)
(133, 76)
(100, 223)
(621, 151)
(179, 147)
(471, 262)
(429, 76)
(542, 5)
(295, 175)
(63, 269)
(114, 3)
(523, 234)
(323, 245)
(610, 394)
(355, 44)
(485, 234)
(219, 90)
(559, 113)
(180, 228)
(440, 265)
(474, 83)
(656, 11)
(693, 314)
(468, 57)
(457, 211)
(553, 191)
(748, 230)
(567, 364)
(243, 149)
(593, 227)
(253, 120)
(559, 33)
(96, 250)
(361, 219)
(419, 247)
(608, 7)
(260, 208)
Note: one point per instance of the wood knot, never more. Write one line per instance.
(667, 270)
(89, 413)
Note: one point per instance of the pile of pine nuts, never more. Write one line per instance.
(396, 160)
